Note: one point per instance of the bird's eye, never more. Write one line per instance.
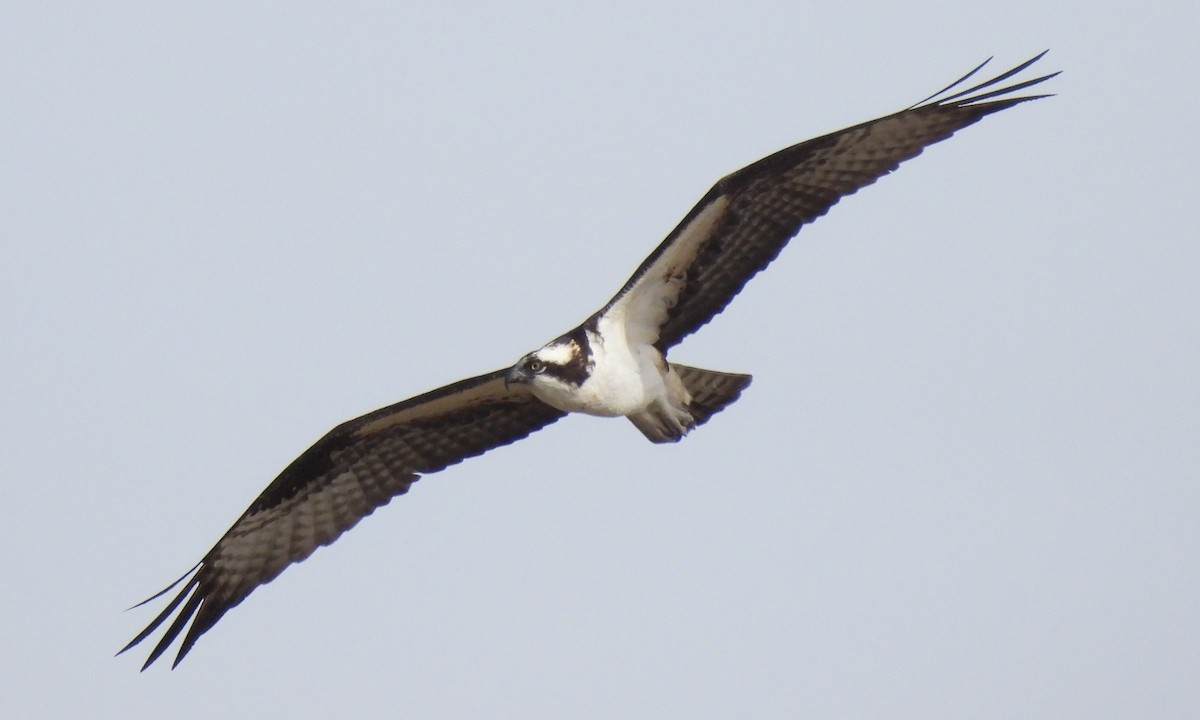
(535, 366)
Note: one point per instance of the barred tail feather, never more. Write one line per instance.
(711, 391)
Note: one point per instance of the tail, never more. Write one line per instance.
(711, 392)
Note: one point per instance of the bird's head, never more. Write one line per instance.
(557, 367)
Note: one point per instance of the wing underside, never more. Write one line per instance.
(355, 469)
(747, 218)
(733, 233)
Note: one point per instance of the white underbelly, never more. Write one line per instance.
(623, 380)
(620, 390)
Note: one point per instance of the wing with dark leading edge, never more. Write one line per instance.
(356, 468)
(747, 218)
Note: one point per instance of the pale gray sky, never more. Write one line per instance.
(963, 484)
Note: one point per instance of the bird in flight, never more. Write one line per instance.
(613, 364)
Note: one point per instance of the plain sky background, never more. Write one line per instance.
(965, 482)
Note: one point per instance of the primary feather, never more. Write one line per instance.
(613, 364)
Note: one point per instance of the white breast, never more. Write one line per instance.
(624, 378)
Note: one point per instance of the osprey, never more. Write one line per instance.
(614, 364)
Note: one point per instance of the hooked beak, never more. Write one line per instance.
(515, 376)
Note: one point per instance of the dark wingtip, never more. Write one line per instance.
(160, 593)
(967, 98)
(957, 82)
(176, 625)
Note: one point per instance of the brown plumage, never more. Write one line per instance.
(772, 199)
(734, 232)
(357, 467)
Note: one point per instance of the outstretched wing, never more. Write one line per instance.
(356, 468)
(745, 220)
